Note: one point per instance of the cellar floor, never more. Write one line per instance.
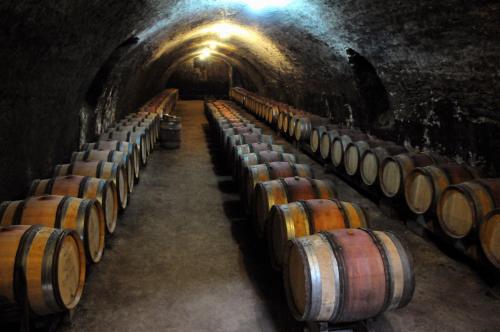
(184, 258)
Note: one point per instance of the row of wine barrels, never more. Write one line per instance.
(120, 129)
(42, 267)
(269, 171)
(372, 159)
(229, 134)
(137, 126)
(64, 212)
(113, 156)
(355, 151)
(286, 190)
(132, 137)
(248, 138)
(327, 138)
(302, 218)
(288, 209)
(99, 169)
(162, 103)
(253, 148)
(347, 275)
(104, 191)
(339, 145)
(305, 125)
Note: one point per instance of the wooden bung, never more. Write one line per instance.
(41, 267)
(104, 191)
(111, 156)
(425, 185)
(84, 216)
(286, 190)
(302, 218)
(395, 169)
(269, 171)
(99, 169)
(347, 275)
(463, 207)
(372, 159)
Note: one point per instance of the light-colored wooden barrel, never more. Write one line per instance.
(372, 159)
(327, 138)
(104, 191)
(84, 216)
(132, 137)
(129, 148)
(347, 275)
(316, 134)
(99, 169)
(253, 148)
(425, 185)
(305, 125)
(353, 153)
(238, 131)
(489, 237)
(135, 129)
(250, 159)
(266, 172)
(463, 207)
(112, 156)
(302, 218)
(42, 266)
(339, 144)
(395, 169)
(284, 191)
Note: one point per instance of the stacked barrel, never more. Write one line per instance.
(317, 240)
(49, 239)
(460, 206)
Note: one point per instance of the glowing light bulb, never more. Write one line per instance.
(224, 30)
(205, 53)
(212, 44)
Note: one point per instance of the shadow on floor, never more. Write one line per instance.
(266, 281)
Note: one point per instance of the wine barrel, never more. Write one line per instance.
(235, 140)
(149, 129)
(424, 185)
(99, 169)
(269, 171)
(112, 156)
(489, 237)
(327, 140)
(372, 159)
(347, 275)
(132, 137)
(235, 128)
(84, 216)
(42, 267)
(316, 134)
(133, 129)
(170, 133)
(292, 123)
(253, 148)
(261, 157)
(286, 190)
(130, 148)
(305, 125)
(104, 191)
(395, 169)
(462, 207)
(226, 133)
(339, 144)
(303, 218)
(354, 152)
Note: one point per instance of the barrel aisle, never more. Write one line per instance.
(175, 263)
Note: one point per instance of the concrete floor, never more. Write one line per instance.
(184, 258)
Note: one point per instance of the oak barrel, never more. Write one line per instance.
(302, 218)
(424, 185)
(250, 159)
(327, 140)
(339, 144)
(171, 133)
(42, 266)
(235, 140)
(130, 148)
(316, 134)
(462, 207)
(286, 190)
(372, 159)
(305, 125)
(112, 156)
(132, 137)
(104, 191)
(489, 236)
(395, 169)
(85, 216)
(253, 148)
(269, 171)
(347, 275)
(354, 152)
(99, 169)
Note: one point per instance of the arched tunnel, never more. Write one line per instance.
(422, 74)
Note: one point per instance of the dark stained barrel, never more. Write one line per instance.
(302, 218)
(347, 275)
(171, 133)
